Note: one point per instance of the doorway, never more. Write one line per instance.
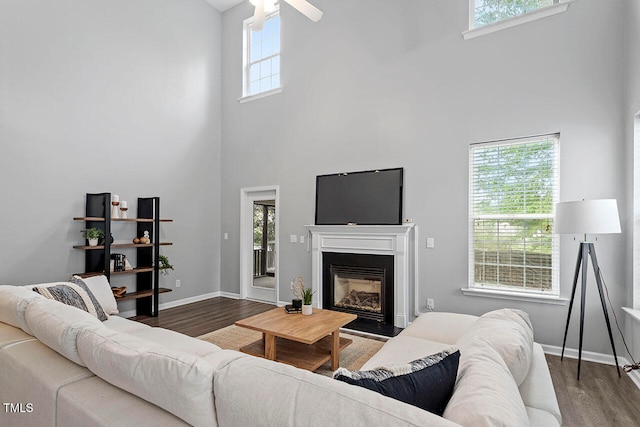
(264, 244)
(259, 244)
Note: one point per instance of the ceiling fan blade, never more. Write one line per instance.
(307, 9)
(258, 16)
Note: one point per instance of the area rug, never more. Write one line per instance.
(353, 357)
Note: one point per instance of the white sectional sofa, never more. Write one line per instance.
(61, 366)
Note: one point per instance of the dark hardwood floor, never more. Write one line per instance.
(600, 398)
(205, 316)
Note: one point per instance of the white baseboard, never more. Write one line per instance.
(590, 356)
(177, 303)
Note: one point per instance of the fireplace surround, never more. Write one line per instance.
(395, 241)
(360, 284)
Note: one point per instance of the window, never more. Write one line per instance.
(261, 65)
(512, 196)
(487, 16)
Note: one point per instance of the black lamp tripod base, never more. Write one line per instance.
(587, 249)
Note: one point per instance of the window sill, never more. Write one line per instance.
(259, 95)
(554, 9)
(634, 313)
(515, 296)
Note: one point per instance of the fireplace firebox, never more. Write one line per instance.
(360, 284)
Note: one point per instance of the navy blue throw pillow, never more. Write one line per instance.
(426, 383)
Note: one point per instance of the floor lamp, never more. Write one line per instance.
(587, 217)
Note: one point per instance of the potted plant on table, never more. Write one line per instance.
(93, 235)
(307, 294)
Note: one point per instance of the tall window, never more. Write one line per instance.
(261, 65)
(513, 191)
(490, 11)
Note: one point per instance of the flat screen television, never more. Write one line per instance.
(363, 198)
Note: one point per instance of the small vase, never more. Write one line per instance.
(307, 309)
(93, 242)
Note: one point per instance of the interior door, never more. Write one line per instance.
(259, 247)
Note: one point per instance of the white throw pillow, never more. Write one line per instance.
(511, 335)
(485, 394)
(57, 326)
(101, 288)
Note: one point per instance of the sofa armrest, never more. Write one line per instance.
(537, 388)
(446, 328)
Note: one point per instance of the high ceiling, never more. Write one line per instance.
(223, 5)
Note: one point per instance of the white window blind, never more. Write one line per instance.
(514, 187)
(261, 70)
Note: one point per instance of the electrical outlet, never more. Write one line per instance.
(291, 285)
(178, 283)
(430, 304)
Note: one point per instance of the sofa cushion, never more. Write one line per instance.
(176, 381)
(31, 372)
(95, 402)
(74, 295)
(440, 327)
(511, 335)
(121, 324)
(485, 393)
(426, 383)
(177, 341)
(403, 349)
(101, 288)
(13, 303)
(248, 389)
(57, 325)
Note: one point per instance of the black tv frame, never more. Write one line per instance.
(400, 200)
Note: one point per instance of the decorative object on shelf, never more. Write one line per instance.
(115, 201)
(123, 209)
(307, 294)
(118, 262)
(587, 217)
(146, 237)
(93, 235)
(297, 286)
(119, 292)
(164, 265)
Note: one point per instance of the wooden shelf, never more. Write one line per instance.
(122, 245)
(91, 218)
(133, 271)
(99, 259)
(141, 294)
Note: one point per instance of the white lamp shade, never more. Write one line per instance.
(588, 217)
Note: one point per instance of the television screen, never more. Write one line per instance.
(363, 198)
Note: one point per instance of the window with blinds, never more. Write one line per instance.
(514, 187)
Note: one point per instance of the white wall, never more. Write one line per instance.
(119, 96)
(376, 84)
(632, 108)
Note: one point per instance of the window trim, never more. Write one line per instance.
(534, 15)
(246, 62)
(551, 296)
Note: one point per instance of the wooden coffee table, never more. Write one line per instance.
(303, 341)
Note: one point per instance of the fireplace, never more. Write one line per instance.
(360, 284)
(396, 243)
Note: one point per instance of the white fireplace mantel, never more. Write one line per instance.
(392, 240)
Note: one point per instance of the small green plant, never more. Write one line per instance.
(93, 233)
(307, 293)
(164, 265)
